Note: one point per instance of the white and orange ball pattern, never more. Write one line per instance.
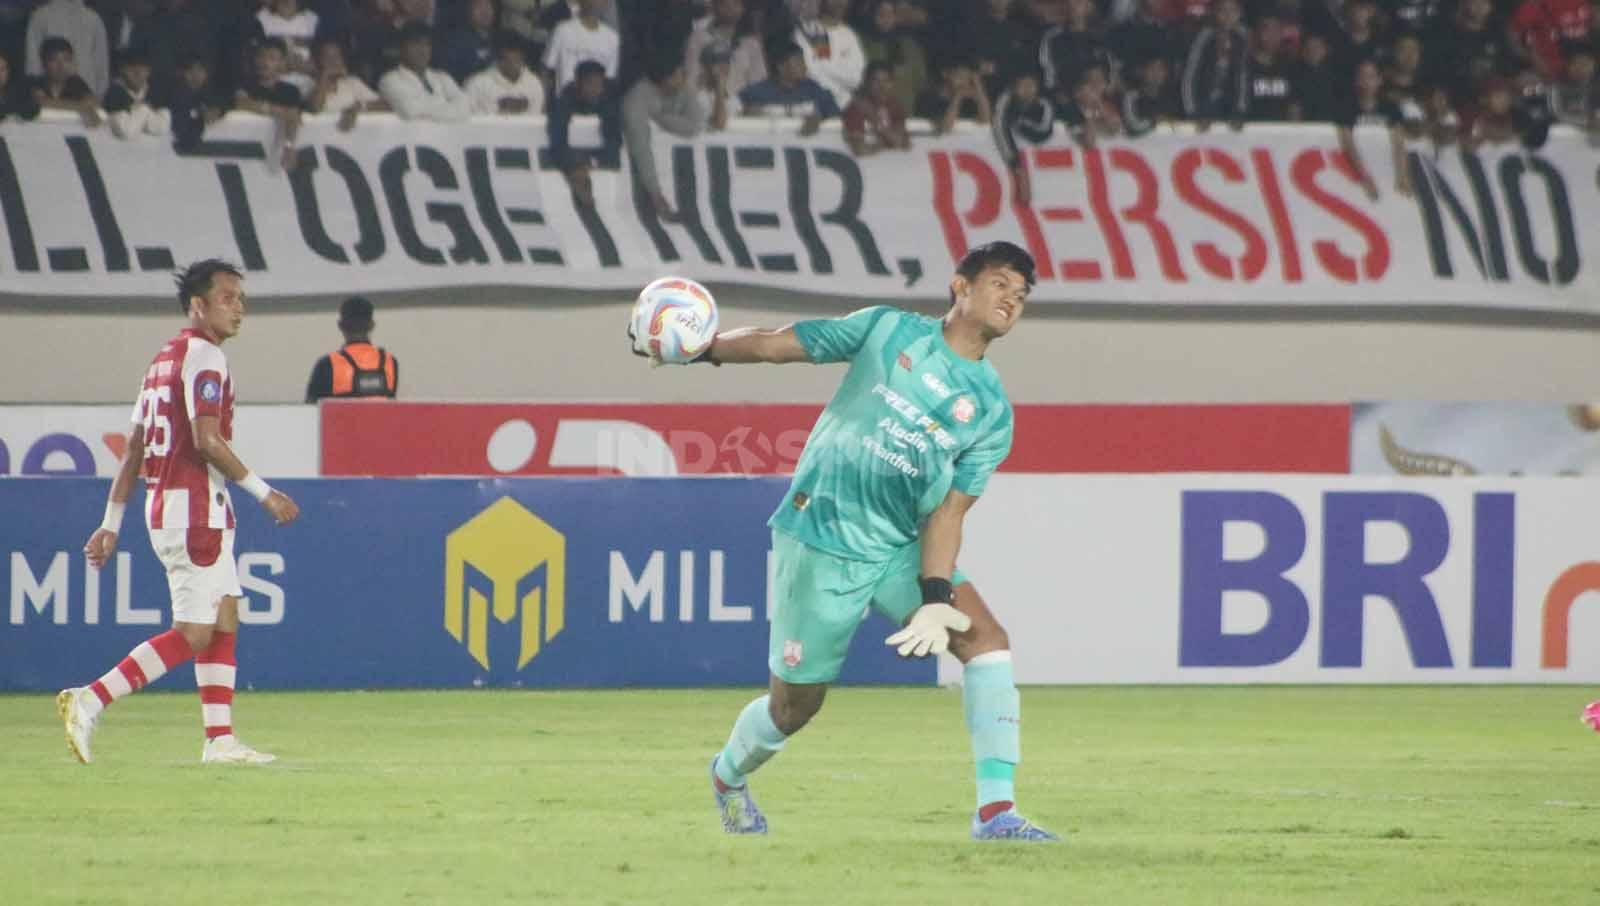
(674, 320)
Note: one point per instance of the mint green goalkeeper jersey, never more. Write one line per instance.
(911, 420)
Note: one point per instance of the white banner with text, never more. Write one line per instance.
(1271, 215)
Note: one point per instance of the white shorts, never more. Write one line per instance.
(200, 568)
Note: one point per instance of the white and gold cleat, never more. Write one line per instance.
(229, 750)
(78, 721)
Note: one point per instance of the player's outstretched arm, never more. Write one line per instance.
(208, 442)
(749, 345)
(103, 543)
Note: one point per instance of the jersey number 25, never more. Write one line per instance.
(156, 402)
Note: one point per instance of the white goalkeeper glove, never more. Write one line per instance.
(929, 630)
(640, 346)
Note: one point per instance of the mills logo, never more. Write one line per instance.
(508, 563)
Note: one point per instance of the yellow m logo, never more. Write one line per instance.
(505, 560)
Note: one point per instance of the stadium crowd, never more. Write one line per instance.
(1467, 71)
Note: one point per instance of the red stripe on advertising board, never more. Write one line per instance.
(407, 439)
(1189, 438)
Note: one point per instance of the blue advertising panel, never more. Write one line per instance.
(542, 582)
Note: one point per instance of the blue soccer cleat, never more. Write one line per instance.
(1008, 825)
(740, 815)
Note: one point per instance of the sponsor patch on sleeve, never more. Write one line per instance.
(211, 390)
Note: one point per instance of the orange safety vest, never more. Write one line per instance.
(362, 369)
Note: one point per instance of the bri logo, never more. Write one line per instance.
(1351, 576)
(511, 564)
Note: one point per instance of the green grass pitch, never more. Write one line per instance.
(1235, 796)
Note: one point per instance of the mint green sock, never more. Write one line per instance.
(994, 718)
(754, 740)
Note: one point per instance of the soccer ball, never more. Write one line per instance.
(1591, 716)
(674, 320)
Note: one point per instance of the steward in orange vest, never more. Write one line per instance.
(357, 368)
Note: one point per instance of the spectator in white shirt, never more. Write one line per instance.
(336, 90)
(287, 19)
(583, 37)
(507, 86)
(834, 58)
(128, 104)
(415, 90)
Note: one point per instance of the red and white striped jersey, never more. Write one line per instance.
(189, 378)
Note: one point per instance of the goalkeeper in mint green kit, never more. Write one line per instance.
(873, 518)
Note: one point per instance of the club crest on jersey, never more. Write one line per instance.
(793, 653)
(963, 410)
(210, 390)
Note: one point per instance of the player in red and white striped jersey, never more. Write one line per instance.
(182, 423)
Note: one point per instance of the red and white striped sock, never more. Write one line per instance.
(214, 671)
(144, 665)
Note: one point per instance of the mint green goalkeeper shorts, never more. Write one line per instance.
(820, 600)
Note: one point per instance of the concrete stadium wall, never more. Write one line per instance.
(513, 344)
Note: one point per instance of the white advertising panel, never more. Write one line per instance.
(1267, 579)
(274, 441)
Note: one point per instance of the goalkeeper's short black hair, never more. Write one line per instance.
(196, 279)
(995, 254)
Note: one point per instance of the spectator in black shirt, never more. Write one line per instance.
(266, 92)
(1531, 113)
(1360, 37)
(590, 92)
(194, 106)
(60, 87)
(1146, 34)
(1089, 116)
(1403, 81)
(1067, 50)
(1289, 13)
(1023, 111)
(1469, 50)
(177, 30)
(16, 101)
(1272, 97)
(959, 95)
(1439, 113)
(1150, 99)
(1417, 17)
(376, 35)
(999, 42)
(1314, 81)
(1215, 69)
(469, 49)
(1367, 106)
